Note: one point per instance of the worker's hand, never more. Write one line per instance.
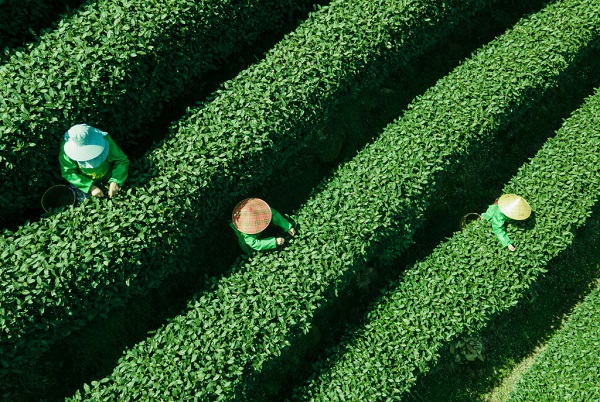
(96, 192)
(280, 241)
(511, 247)
(113, 189)
(292, 232)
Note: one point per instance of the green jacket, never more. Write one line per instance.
(498, 219)
(114, 168)
(251, 242)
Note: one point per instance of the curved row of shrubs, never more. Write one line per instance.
(469, 278)
(233, 333)
(569, 368)
(65, 270)
(114, 65)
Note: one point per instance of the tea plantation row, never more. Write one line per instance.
(469, 278)
(232, 336)
(113, 65)
(569, 367)
(210, 159)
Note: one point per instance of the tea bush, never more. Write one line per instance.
(470, 278)
(67, 269)
(568, 369)
(113, 64)
(230, 334)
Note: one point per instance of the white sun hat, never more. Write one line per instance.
(514, 206)
(84, 143)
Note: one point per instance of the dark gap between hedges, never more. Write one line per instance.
(41, 20)
(513, 335)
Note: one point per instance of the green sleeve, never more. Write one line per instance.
(280, 221)
(119, 162)
(257, 244)
(498, 228)
(269, 243)
(252, 242)
(497, 219)
(69, 170)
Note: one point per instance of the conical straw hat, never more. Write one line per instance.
(251, 215)
(514, 206)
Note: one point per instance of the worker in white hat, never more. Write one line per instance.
(253, 215)
(509, 206)
(88, 157)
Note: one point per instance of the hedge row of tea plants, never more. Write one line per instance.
(67, 269)
(219, 348)
(113, 64)
(569, 368)
(470, 277)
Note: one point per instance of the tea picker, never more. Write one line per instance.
(508, 206)
(89, 158)
(250, 218)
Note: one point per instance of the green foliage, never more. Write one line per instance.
(229, 334)
(569, 368)
(211, 158)
(470, 278)
(113, 65)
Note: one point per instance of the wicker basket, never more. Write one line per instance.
(57, 196)
(467, 218)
